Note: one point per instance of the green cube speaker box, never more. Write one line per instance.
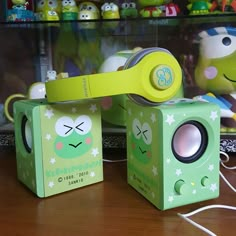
(173, 152)
(58, 146)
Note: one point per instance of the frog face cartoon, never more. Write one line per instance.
(88, 11)
(48, 10)
(74, 137)
(110, 11)
(128, 9)
(215, 71)
(69, 6)
(141, 141)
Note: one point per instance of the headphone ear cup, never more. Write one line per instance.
(132, 61)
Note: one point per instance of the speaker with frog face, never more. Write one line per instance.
(58, 146)
(151, 76)
(173, 151)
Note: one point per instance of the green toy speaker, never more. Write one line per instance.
(173, 152)
(58, 146)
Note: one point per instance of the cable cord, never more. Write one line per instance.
(185, 216)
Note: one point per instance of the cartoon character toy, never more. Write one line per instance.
(69, 10)
(155, 8)
(169, 8)
(150, 8)
(48, 10)
(88, 11)
(197, 7)
(110, 11)
(128, 10)
(225, 5)
(21, 10)
(215, 72)
(19, 4)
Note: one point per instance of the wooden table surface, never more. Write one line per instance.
(111, 208)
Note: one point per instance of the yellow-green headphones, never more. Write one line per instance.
(149, 77)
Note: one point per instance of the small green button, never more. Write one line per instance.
(205, 181)
(162, 77)
(181, 187)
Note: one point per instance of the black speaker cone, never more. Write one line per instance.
(26, 134)
(189, 141)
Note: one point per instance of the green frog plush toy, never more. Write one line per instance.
(215, 72)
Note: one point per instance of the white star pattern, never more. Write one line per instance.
(178, 172)
(213, 187)
(170, 119)
(153, 195)
(170, 199)
(153, 118)
(154, 170)
(92, 174)
(48, 136)
(93, 108)
(131, 178)
(213, 115)
(51, 184)
(49, 113)
(129, 112)
(168, 160)
(95, 152)
(52, 160)
(211, 167)
(194, 191)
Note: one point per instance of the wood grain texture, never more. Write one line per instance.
(111, 208)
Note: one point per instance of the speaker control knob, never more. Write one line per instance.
(181, 187)
(205, 181)
(162, 77)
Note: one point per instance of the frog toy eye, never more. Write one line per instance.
(106, 7)
(64, 126)
(83, 125)
(132, 5)
(113, 7)
(52, 3)
(137, 129)
(217, 42)
(124, 5)
(41, 4)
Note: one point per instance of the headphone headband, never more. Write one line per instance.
(156, 76)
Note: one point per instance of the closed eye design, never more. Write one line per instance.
(64, 126)
(80, 125)
(136, 128)
(69, 128)
(139, 131)
(147, 133)
(83, 125)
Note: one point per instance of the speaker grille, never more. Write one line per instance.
(26, 134)
(189, 141)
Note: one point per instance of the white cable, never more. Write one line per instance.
(226, 167)
(197, 225)
(185, 216)
(227, 182)
(225, 161)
